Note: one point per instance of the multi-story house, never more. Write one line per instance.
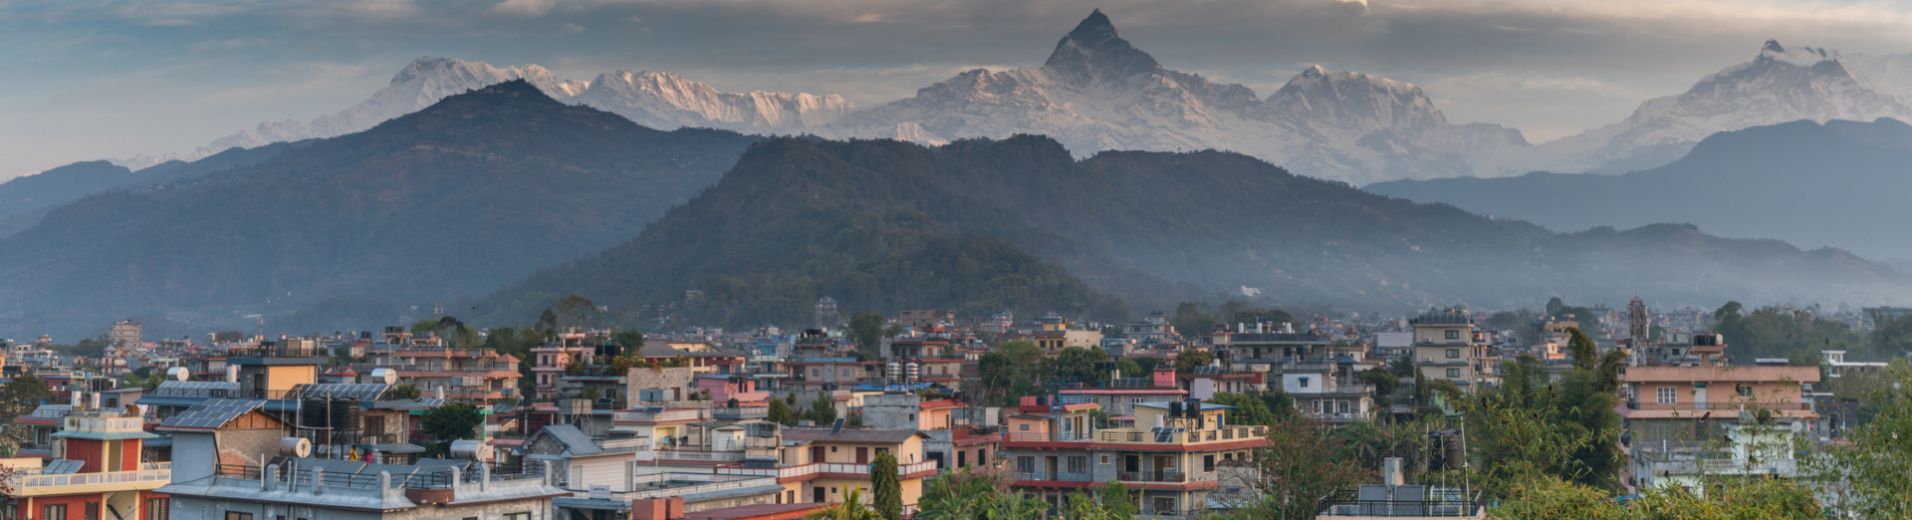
(465, 375)
(1171, 460)
(1124, 393)
(824, 464)
(839, 373)
(1678, 418)
(1447, 346)
(552, 359)
(98, 470)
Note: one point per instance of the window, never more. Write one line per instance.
(1342, 406)
(1453, 334)
(159, 509)
(1023, 427)
(1078, 464)
(1453, 373)
(1453, 353)
(58, 512)
(518, 516)
(816, 372)
(1208, 463)
(1665, 395)
(235, 515)
(1164, 505)
(1105, 459)
(1026, 464)
(1745, 391)
(1304, 382)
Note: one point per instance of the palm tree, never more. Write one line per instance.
(852, 508)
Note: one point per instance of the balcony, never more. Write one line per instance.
(1166, 476)
(631, 416)
(1049, 437)
(740, 413)
(699, 455)
(830, 470)
(1053, 476)
(1138, 436)
(1719, 406)
(150, 476)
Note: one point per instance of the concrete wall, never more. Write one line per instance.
(193, 457)
(186, 507)
(892, 411)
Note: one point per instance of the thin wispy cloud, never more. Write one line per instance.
(1548, 67)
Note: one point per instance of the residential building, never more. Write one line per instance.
(1394, 498)
(1837, 366)
(1674, 417)
(471, 375)
(1171, 459)
(821, 465)
(1447, 346)
(100, 470)
(125, 334)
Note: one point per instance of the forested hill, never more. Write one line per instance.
(455, 200)
(1838, 184)
(866, 222)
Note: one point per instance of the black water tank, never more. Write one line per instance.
(1174, 408)
(345, 414)
(314, 413)
(1194, 408)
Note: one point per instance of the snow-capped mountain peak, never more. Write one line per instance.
(668, 101)
(1772, 51)
(1095, 51)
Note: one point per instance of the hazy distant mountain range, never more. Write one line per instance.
(1841, 184)
(1098, 92)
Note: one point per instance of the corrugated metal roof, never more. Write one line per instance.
(573, 439)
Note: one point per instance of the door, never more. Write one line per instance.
(816, 454)
(1162, 463)
(1699, 397)
(816, 495)
(862, 455)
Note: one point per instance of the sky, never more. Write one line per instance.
(97, 79)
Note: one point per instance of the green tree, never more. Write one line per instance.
(1249, 410)
(630, 339)
(822, 410)
(1276, 316)
(1188, 360)
(451, 422)
(1383, 380)
(20, 395)
(868, 328)
(404, 391)
(1533, 427)
(887, 486)
(1116, 502)
(1076, 365)
(852, 508)
(1193, 319)
(1300, 465)
(1870, 471)
(967, 494)
(780, 413)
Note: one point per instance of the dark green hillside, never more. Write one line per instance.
(875, 224)
(458, 199)
(868, 223)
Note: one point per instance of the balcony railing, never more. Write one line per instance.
(1437, 504)
(665, 415)
(1060, 476)
(714, 456)
(1166, 476)
(44, 484)
(1718, 406)
(1221, 434)
(815, 469)
(105, 424)
(1049, 437)
(742, 412)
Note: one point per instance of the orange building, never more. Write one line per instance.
(97, 472)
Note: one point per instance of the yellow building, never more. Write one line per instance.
(820, 465)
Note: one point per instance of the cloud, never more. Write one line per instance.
(571, 28)
(1357, 7)
(523, 7)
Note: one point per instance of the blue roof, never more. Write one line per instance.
(104, 436)
(169, 400)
